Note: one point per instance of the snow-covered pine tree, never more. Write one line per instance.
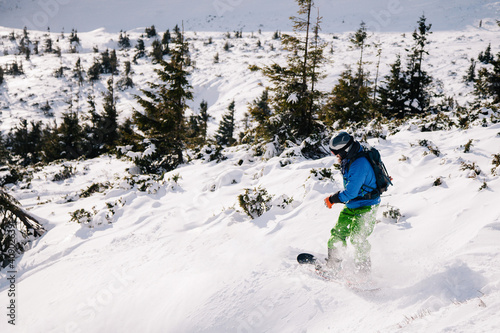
(418, 97)
(487, 83)
(392, 92)
(294, 98)
(72, 143)
(348, 102)
(78, 72)
(165, 42)
(225, 133)
(162, 121)
(24, 141)
(157, 51)
(126, 81)
(260, 112)
(123, 40)
(358, 39)
(109, 119)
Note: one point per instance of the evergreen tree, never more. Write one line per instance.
(126, 81)
(1, 75)
(225, 133)
(71, 137)
(78, 72)
(94, 131)
(25, 142)
(418, 79)
(197, 126)
(140, 50)
(127, 136)
(109, 124)
(379, 53)
(50, 143)
(157, 52)
(358, 39)
(48, 42)
(4, 154)
(294, 97)
(109, 62)
(260, 111)
(486, 57)
(150, 32)
(392, 93)
(348, 102)
(123, 40)
(204, 118)
(471, 72)
(162, 122)
(165, 42)
(74, 41)
(487, 83)
(94, 71)
(25, 44)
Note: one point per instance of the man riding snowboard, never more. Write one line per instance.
(357, 219)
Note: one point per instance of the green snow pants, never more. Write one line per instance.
(356, 224)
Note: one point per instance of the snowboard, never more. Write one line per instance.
(306, 258)
(309, 259)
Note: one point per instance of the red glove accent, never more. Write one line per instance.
(328, 204)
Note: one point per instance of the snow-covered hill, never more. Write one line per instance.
(181, 256)
(217, 83)
(230, 15)
(177, 254)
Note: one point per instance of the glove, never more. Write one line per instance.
(328, 204)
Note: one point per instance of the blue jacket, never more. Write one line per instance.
(358, 180)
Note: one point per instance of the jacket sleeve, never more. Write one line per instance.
(354, 179)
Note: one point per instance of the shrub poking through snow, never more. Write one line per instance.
(82, 216)
(66, 173)
(472, 168)
(255, 202)
(438, 181)
(429, 145)
(496, 163)
(322, 174)
(282, 201)
(468, 146)
(392, 213)
(94, 188)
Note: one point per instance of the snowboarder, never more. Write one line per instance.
(357, 219)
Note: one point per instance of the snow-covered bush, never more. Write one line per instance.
(94, 188)
(429, 145)
(392, 214)
(496, 165)
(322, 174)
(255, 202)
(211, 153)
(81, 216)
(67, 172)
(282, 201)
(471, 169)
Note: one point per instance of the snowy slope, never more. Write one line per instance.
(231, 79)
(182, 257)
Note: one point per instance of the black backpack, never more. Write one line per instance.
(381, 175)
